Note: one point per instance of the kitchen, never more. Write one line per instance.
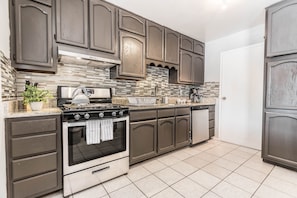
(155, 81)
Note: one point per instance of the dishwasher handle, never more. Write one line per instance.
(199, 107)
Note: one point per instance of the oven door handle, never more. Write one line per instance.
(76, 124)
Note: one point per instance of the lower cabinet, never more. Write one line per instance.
(166, 130)
(211, 110)
(143, 140)
(280, 138)
(33, 155)
(182, 131)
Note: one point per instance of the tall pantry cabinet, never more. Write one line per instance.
(280, 94)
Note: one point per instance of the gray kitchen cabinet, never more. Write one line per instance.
(132, 54)
(166, 130)
(33, 156)
(197, 69)
(102, 26)
(185, 68)
(198, 47)
(280, 137)
(281, 26)
(131, 22)
(182, 127)
(186, 43)
(211, 116)
(154, 41)
(281, 86)
(143, 139)
(171, 46)
(32, 36)
(72, 22)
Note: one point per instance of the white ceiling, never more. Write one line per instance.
(204, 20)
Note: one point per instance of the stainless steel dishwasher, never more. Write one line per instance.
(200, 124)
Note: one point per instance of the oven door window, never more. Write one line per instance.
(79, 151)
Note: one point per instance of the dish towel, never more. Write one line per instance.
(106, 129)
(93, 131)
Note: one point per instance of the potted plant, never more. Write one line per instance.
(35, 96)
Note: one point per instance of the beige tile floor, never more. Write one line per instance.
(212, 169)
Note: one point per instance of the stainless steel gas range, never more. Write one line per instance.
(95, 138)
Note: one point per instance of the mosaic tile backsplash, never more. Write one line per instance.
(155, 84)
(8, 76)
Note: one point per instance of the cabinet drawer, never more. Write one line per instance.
(34, 145)
(182, 111)
(34, 165)
(131, 22)
(143, 115)
(31, 126)
(211, 124)
(211, 115)
(164, 113)
(33, 186)
(211, 108)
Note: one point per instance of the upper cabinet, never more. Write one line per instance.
(187, 43)
(72, 28)
(32, 44)
(198, 47)
(131, 23)
(281, 25)
(89, 24)
(171, 46)
(198, 69)
(154, 41)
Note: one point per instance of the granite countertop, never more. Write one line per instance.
(160, 106)
(25, 113)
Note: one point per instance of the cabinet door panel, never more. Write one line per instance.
(102, 26)
(33, 27)
(280, 137)
(182, 131)
(171, 46)
(166, 130)
(198, 47)
(154, 41)
(132, 55)
(185, 68)
(282, 84)
(282, 29)
(187, 43)
(143, 138)
(198, 69)
(131, 23)
(72, 22)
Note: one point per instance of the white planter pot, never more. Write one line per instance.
(36, 106)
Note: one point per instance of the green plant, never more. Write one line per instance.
(34, 94)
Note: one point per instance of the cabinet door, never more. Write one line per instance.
(281, 89)
(282, 28)
(132, 49)
(102, 26)
(198, 69)
(131, 23)
(166, 130)
(185, 68)
(154, 41)
(33, 34)
(187, 43)
(182, 130)
(72, 22)
(280, 138)
(198, 47)
(143, 140)
(171, 46)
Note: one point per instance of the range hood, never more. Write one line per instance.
(76, 58)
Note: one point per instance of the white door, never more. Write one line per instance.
(241, 96)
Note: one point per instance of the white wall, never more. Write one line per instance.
(214, 48)
(4, 47)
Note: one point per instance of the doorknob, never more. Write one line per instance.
(224, 98)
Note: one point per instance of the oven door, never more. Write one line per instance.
(78, 155)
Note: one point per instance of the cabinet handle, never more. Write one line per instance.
(101, 169)
(224, 98)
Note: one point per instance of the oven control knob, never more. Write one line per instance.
(76, 116)
(101, 115)
(87, 116)
(121, 113)
(114, 114)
